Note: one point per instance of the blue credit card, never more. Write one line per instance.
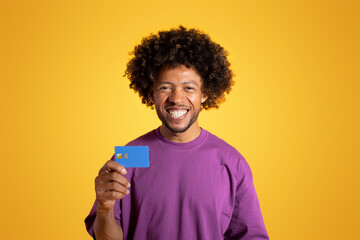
(132, 156)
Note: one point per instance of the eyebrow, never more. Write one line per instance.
(183, 83)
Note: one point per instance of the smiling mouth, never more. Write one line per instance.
(177, 113)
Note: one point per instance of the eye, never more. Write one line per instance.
(164, 88)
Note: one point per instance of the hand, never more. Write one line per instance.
(110, 185)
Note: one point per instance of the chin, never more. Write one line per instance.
(177, 129)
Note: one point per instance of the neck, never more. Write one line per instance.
(190, 134)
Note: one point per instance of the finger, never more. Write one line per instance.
(110, 187)
(112, 195)
(116, 177)
(111, 166)
(115, 187)
(112, 177)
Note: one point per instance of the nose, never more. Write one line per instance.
(177, 96)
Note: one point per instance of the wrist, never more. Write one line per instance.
(104, 211)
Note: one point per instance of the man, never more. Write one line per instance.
(197, 186)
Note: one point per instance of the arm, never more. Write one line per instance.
(106, 227)
(246, 221)
(110, 185)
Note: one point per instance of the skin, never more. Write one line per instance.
(110, 184)
(175, 89)
(178, 88)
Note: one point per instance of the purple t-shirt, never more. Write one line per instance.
(201, 189)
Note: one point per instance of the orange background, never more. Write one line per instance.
(293, 113)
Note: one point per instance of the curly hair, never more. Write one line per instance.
(181, 46)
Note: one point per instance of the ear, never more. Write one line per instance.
(204, 97)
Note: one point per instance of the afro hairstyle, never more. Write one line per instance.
(181, 46)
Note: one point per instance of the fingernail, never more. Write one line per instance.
(127, 192)
(128, 185)
(124, 171)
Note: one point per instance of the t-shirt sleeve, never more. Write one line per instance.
(90, 219)
(246, 221)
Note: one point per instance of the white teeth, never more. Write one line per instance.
(177, 114)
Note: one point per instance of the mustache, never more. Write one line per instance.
(176, 105)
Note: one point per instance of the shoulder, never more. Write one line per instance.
(228, 154)
(222, 146)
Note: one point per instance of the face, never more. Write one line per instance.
(177, 97)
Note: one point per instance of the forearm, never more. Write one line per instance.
(106, 227)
